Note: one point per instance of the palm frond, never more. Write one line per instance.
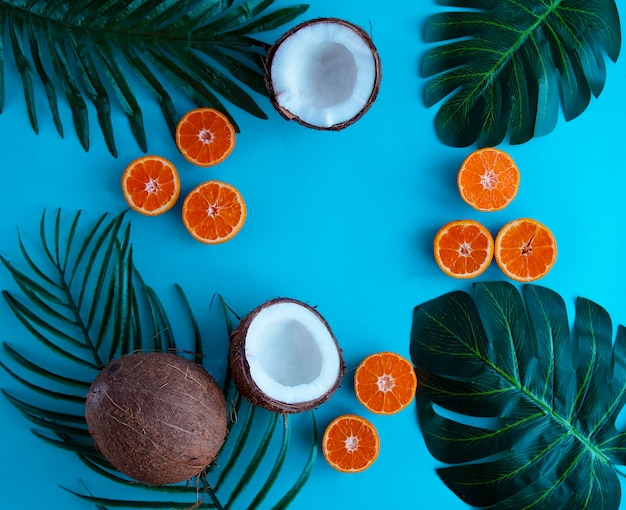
(255, 460)
(239, 441)
(42, 372)
(83, 300)
(197, 335)
(98, 53)
(278, 464)
(56, 395)
(68, 443)
(126, 503)
(293, 491)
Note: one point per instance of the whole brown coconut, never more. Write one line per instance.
(284, 357)
(159, 418)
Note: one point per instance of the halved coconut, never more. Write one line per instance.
(284, 357)
(324, 73)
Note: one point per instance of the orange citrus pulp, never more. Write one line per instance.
(488, 179)
(385, 382)
(350, 443)
(205, 136)
(214, 212)
(150, 185)
(525, 250)
(463, 248)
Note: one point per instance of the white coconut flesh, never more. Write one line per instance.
(291, 353)
(324, 74)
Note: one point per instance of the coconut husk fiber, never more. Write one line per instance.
(158, 418)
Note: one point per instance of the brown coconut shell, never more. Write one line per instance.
(291, 116)
(240, 369)
(159, 418)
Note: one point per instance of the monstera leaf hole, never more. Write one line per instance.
(324, 73)
(285, 358)
(484, 422)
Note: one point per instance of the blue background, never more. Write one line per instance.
(343, 221)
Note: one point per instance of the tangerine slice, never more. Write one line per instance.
(350, 443)
(463, 248)
(214, 212)
(385, 382)
(488, 179)
(525, 250)
(205, 136)
(150, 185)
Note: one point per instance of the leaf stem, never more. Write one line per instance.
(80, 323)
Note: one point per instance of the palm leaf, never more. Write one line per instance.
(293, 491)
(120, 503)
(76, 399)
(95, 53)
(521, 410)
(42, 372)
(82, 299)
(240, 439)
(278, 464)
(255, 461)
(67, 443)
(505, 66)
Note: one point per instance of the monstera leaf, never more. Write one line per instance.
(522, 412)
(506, 65)
(102, 52)
(83, 302)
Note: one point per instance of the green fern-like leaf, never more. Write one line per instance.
(506, 66)
(84, 303)
(99, 53)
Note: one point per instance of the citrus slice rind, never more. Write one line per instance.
(150, 185)
(463, 248)
(525, 250)
(385, 383)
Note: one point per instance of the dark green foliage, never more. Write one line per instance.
(522, 412)
(84, 303)
(98, 53)
(506, 66)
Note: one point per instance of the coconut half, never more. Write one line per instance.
(324, 73)
(284, 357)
